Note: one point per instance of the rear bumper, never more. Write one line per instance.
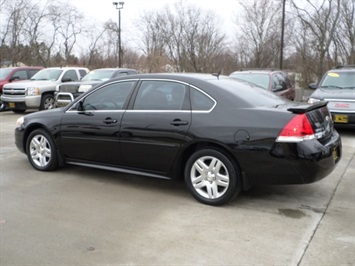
(293, 163)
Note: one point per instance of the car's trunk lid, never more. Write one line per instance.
(319, 116)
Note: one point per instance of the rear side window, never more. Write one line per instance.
(200, 101)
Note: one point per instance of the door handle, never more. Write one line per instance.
(108, 121)
(178, 122)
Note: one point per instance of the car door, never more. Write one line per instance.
(90, 129)
(154, 127)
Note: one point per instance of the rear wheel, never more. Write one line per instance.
(211, 177)
(47, 102)
(41, 151)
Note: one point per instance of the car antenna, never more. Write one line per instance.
(217, 74)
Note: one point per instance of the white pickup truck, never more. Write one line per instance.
(38, 92)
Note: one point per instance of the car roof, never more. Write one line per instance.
(112, 68)
(23, 67)
(258, 71)
(177, 76)
(67, 68)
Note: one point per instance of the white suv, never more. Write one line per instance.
(38, 92)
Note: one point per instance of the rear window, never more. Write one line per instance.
(249, 94)
(259, 79)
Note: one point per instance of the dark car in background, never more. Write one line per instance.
(11, 74)
(67, 92)
(338, 88)
(221, 134)
(272, 80)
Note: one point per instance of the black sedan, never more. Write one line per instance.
(220, 134)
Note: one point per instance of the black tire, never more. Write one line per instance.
(47, 102)
(210, 185)
(19, 111)
(41, 150)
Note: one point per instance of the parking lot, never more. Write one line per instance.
(84, 216)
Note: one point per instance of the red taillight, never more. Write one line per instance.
(298, 129)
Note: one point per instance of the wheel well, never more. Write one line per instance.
(28, 132)
(33, 127)
(203, 145)
(45, 94)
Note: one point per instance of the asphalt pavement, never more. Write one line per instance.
(83, 216)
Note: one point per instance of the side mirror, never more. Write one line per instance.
(14, 78)
(312, 86)
(79, 106)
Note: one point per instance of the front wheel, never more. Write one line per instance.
(41, 151)
(211, 177)
(48, 102)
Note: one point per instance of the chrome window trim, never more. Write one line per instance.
(153, 111)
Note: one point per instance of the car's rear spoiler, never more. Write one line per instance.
(304, 108)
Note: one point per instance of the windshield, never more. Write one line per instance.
(99, 75)
(4, 72)
(338, 80)
(47, 74)
(259, 79)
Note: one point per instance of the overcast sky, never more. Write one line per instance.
(103, 10)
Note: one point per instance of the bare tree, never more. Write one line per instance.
(201, 41)
(319, 23)
(153, 39)
(345, 34)
(182, 38)
(69, 25)
(258, 36)
(12, 31)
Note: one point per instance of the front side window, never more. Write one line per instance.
(110, 97)
(20, 74)
(70, 75)
(161, 95)
(82, 73)
(31, 72)
(278, 82)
